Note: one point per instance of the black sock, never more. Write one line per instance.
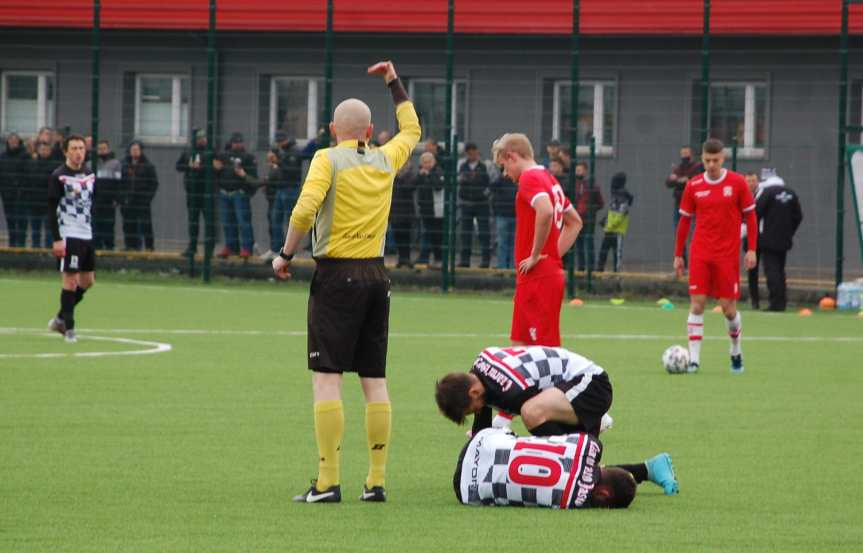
(550, 428)
(79, 294)
(639, 471)
(67, 308)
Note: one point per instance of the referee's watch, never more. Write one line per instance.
(285, 256)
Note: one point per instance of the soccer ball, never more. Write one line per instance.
(676, 360)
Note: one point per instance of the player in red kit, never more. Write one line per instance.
(546, 227)
(720, 200)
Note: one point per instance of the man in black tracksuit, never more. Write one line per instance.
(779, 213)
(139, 187)
(473, 193)
(13, 174)
(191, 164)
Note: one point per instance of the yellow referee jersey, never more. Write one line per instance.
(347, 195)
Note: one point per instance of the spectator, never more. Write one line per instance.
(473, 183)
(680, 175)
(36, 196)
(616, 222)
(752, 274)
(237, 177)
(402, 213)
(382, 138)
(88, 149)
(139, 188)
(49, 136)
(565, 158)
(191, 164)
(432, 146)
(778, 209)
(319, 141)
(13, 171)
(503, 191)
(283, 184)
(588, 201)
(555, 167)
(552, 150)
(109, 176)
(429, 185)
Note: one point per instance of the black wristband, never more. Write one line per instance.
(285, 256)
(398, 91)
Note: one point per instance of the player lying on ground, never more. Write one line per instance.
(496, 467)
(554, 390)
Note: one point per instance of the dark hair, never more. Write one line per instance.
(581, 163)
(71, 138)
(712, 146)
(615, 489)
(103, 141)
(470, 146)
(451, 394)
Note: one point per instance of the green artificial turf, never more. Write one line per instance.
(200, 448)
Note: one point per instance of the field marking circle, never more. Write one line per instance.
(152, 347)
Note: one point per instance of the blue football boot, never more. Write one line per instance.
(660, 471)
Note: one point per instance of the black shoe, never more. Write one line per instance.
(376, 494)
(463, 265)
(333, 494)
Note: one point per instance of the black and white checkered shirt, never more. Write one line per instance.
(71, 199)
(498, 468)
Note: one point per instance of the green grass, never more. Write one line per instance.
(201, 448)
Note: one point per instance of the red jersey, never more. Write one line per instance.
(718, 208)
(533, 184)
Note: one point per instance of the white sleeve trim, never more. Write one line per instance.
(684, 213)
(537, 196)
(750, 208)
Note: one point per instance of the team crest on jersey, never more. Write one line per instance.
(727, 191)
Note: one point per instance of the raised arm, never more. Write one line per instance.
(399, 149)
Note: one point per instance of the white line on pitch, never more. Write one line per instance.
(153, 347)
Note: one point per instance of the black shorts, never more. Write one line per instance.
(348, 320)
(589, 403)
(80, 257)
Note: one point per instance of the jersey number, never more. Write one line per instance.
(559, 202)
(536, 470)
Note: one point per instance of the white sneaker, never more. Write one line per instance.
(57, 325)
(606, 423)
(268, 255)
(71, 338)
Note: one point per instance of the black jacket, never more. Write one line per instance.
(779, 215)
(404, 188)
(473, 183)
(38, 179)
(13, 172)
(193, 179)
(227, 178)
(426, 185)
(139, 180)
(503, 192)
(290, 166)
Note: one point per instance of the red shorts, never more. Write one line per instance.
(536, 311)
(717, 279)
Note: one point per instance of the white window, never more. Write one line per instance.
(27, 102)
(162, 109)
(294, 107)
(597, 115)
(736, 111)
(429, 98)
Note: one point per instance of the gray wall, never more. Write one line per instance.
(504, 76)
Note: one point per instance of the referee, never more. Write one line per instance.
(345, 200)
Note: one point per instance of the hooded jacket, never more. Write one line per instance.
(139, 179)
(617, 220)
(779, 215)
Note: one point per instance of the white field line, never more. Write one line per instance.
(455, 335)
(152, 347)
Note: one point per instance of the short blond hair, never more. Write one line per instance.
(425, 156)
(516, 143)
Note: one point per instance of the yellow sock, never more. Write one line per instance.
(378, 416)
(329, 427)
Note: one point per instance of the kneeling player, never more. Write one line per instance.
(554, 390)
(496, 467)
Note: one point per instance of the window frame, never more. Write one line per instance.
(599, 85)
(45, 116)
(412, 81)
(176, 138)
(747, 150)
(313, 111)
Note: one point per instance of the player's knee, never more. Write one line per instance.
(532, 414)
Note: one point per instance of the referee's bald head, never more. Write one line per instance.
(352, 119)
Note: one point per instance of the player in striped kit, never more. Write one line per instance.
(70, 198)
(555, 390)
(496, 467)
